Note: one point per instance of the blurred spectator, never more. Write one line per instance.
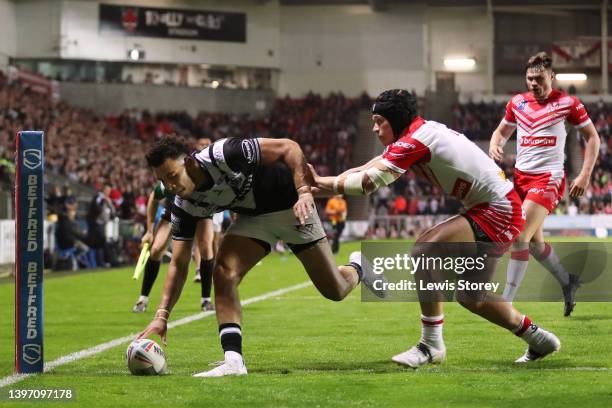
(336, 211)
(68, 236)
(101, 210)
(55, 203)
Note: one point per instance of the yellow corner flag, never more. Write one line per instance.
(142, 261)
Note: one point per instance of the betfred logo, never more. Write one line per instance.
(538, 141)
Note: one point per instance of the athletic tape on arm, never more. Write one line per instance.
(353, 183)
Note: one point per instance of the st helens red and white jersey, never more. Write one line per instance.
(450, 160)
(541, 130)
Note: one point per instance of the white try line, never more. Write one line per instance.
(12, 379)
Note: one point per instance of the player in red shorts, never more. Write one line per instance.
(461, 169)
(539, 117)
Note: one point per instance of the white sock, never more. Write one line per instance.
(517, 266)
(431, 331)
(526, 329)
(204, 300)
(144, 299)
(549, 259)
(233, 356)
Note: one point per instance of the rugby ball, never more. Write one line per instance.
(146, 357)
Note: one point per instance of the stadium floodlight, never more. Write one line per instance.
(571, 77)
(459, 64)
(135, 54)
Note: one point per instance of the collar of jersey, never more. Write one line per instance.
(416, 123)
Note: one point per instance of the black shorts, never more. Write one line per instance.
(184, 224)
(484, 242)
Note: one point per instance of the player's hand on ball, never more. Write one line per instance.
(157, 326)
(579, 186)
(496, 152)
(304, 207)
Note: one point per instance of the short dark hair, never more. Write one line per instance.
(166, 148)
(541, 60)
(398, 107)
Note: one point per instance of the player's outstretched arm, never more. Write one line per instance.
(175, 280)
(498, 140)
(290, 153)
(581, 183)
(360, 182)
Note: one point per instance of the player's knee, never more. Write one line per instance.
(157, 251)
(334, 294)
(225, 276)
(472, 305)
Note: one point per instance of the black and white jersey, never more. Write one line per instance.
(239, 181)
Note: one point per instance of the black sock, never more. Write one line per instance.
(358, 269)
(231, 337)
(206, 272)
(150, 274)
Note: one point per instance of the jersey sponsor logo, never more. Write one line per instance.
(521, 105)
(248, 150)
(396, 154)
(461, 189)
(538, 141)
(535, 190)
(405, 145)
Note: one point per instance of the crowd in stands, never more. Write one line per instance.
(87, 148)
(84, 147)
(79, 144)
(325, 128)
(477, 121)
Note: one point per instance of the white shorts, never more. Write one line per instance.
(218, 221)
(279, 225)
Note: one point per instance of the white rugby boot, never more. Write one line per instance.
(420, 355)
(541, 344)
(227, 367)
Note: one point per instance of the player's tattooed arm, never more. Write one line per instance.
(591, 151)
(290, 153)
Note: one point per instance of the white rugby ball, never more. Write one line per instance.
(146, 357)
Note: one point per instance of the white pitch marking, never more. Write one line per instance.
(12, 379)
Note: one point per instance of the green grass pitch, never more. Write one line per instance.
(303, 350)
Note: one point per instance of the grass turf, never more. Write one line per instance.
(302, 350)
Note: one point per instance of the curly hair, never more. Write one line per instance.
(166, 148)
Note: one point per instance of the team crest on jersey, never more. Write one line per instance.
(521, 105)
